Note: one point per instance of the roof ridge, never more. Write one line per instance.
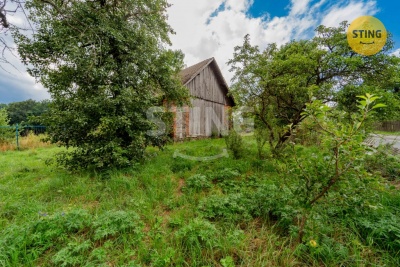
(191, 72)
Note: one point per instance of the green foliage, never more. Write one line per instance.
(40, 235)
(255, 212)
(279, 81)
(197, 183)
(232, 207)
(379, 227)
(228, 262)
(5, 133)
(262, 135)
(384, 163)
(73, 254)
(163, 139)
(326, 250)
(27, 112)
(113, 223)
(224, 174)
(181, 165)
(234, 143)
(347, 101)
(4, 120)
(336, 165)
(53, 232)
(249, 202)
(198, 234)
(104, 64)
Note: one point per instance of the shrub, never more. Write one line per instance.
(387, 165)
(234, 143)
(225, 174)
(197, 183)
(40, 235)
(198, 234)
(73, 254)
(380, 227)
(232, 207)
(5, 133)
(336, 165)
(262, 136)
(115, 223)
(22, 245)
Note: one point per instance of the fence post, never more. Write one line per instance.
(16, 135)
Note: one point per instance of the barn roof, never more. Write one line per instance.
(188, 74)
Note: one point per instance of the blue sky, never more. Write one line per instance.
(388, 12)
(212, 28)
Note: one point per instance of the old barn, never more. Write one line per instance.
(210, 104)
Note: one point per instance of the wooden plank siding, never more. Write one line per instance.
(210, 103)
(206, 117)
(207, 87)
(207, 114)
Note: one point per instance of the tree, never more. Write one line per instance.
(346, 101)
(27, 111)
(5, 133)
(279, 81)
(336, 170)
(104, 64)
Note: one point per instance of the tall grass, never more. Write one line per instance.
(30, 141)
(164, 212)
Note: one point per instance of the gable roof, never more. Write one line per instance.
(188, 74)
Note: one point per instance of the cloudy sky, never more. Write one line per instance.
(212, 28)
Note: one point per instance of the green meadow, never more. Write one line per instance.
(168, 211)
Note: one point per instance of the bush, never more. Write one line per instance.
(197, 183)
(234, 143)
(5, 133)
(22, 245)
(73, 254)
(40, 235)
(232, 207)
(198, 234)
(262, 136)
(115, 223)
(387, 165)
(225, 174)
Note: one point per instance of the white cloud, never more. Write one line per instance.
(396, 53)
(299, 6)
(212, 28)
(200, 35)
(353, 10)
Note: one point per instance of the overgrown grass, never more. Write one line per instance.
(177, 212)
(30, 141)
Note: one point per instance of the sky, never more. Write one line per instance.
(212, 28)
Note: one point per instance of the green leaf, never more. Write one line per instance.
(380, 105)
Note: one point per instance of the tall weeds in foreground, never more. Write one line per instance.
(31, 141)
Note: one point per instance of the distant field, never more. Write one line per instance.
(167, 212)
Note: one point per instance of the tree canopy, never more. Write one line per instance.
(26, 111)
(104, 64)
(279, 81)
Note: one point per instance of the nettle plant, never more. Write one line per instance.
(332, 170)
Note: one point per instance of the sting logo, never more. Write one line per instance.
(367, 35)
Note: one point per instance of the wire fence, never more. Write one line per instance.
(16, 132)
